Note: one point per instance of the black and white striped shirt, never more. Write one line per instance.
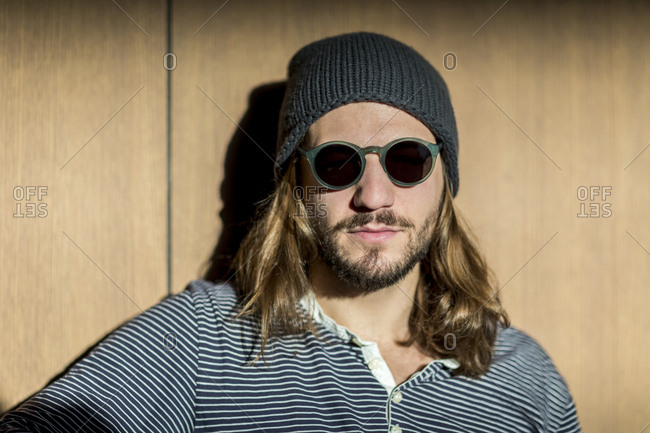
(184, 365)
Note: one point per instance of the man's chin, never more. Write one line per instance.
(368, 282)
(370, 273)
(383, 254)
(365, 267)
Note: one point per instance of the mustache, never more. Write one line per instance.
(386, 217)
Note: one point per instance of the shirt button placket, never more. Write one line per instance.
(374, 364)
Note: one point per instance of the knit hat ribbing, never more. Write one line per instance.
(365, 67)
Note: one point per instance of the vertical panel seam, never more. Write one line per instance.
(169, 150)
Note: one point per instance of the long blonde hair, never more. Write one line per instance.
(459, 307)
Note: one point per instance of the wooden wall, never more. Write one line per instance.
(551, 101)
(83, 95)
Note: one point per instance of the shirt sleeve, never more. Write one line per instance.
(569, 422)
(141, 378)
(559, 407)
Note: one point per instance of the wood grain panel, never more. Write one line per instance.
(559, 112)
(83, 117)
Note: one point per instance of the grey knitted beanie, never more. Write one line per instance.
(363, 66)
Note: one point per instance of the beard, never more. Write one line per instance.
(371, 273)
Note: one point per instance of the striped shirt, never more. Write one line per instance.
(184, 365)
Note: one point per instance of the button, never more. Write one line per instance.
(397, 397)
(395, 429)
(374, 363)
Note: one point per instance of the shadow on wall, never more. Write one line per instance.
(248, 174)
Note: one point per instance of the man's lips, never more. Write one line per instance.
(374, 233)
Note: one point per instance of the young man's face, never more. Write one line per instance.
(374, 233)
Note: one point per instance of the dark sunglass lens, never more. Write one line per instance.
(338, 164)
(408, 161)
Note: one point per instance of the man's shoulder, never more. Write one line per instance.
(215, 297)
(519, 356)
(219, 291)
(200, 302)
(513, 344)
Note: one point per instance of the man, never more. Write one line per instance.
(358, 302)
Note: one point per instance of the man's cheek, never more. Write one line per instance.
(316, 202)
(316, 210)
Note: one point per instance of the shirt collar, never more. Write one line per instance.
(314, 310)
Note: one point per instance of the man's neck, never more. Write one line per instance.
(380, 316)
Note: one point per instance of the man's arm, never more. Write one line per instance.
(141, 378)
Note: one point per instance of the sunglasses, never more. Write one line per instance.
(338, 165)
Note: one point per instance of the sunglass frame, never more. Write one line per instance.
(311, 154)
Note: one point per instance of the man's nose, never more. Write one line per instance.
(374, 190)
